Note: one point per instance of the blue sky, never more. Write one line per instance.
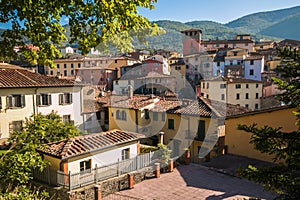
(222, 11)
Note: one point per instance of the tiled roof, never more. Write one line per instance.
(254, 57)
(79, 145)
(232, 80)
(166, 105)
(135, 102)
(91, 106)
(190, 30)
(12, 76)
(196, 108)
(156, 75)
(226, 41)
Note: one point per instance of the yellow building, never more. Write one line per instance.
(238, 142)
(197, 125)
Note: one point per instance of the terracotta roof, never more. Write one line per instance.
(155, 75)
(135, 102)
(189, 30)
(12, 76)
(91, 106)
(166, 105)
(225, 41)
(232, 80)
(84, 144)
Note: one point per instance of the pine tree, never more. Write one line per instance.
(281, 178)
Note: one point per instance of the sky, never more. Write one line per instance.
(222, 11)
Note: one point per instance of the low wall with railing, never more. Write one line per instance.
(94, 175)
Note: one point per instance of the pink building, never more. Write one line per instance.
(191, 41)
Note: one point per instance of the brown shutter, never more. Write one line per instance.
(61, 96)
(38, 100)
(49, 100)
(22, 101)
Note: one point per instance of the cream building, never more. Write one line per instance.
(237, 91)
(23, 93)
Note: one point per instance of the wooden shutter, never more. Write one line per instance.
(38, 100)
(71, 98)
(201, 130)
(9, 101)
(22, 101)
(61, 99)
(49, 100)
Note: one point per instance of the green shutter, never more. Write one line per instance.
(201, 130)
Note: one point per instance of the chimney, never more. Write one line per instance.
(161, 137)
(130, 91)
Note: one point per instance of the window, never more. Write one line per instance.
(72, 65)
(66, 119)
(237, 86)
(247, 105)
(222, 96)
(125, 154)
(15, 126)
(256, 96)
(0, 103)
(123, 115)
(65, 98)
(247, 96)
(222, 86)
(251, 73)
(43, 99)
(251, 62)
(16, 101)
(163, 117)
(170, 123)
(247, 85)
(85, 166)
(256, 106)
(256, 85)
(57, 66)
(155, 116)
(65, 72)
(246, 44)
(218, 64)
(72, 72)
(147, 114)
(116, 61)
(177, 68)
(207, 85)
(201, 130)
(65, 65)
(237, 95)
(203, 85)
(79, 65)
(118, 115)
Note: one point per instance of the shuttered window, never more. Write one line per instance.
(15, 101)
(43, 99)
(65, 98)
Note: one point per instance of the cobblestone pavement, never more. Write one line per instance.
(193, 182)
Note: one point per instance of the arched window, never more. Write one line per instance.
(123, 115)
(118, 114)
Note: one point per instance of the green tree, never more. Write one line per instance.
(17, 164)
(283, 178)
(90, 22)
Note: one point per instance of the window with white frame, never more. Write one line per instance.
(43, 99)
(125, 154)
(16, 101)
(65, 98)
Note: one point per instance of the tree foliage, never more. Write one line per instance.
(17, 164)
(91, 23)
(284, 178)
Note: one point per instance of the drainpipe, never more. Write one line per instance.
(136, 120)
(35, 107)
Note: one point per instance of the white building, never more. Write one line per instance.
(23, 93)
(254, 66)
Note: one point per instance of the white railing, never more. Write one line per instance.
(79, 179)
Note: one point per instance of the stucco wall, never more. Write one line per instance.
(238, 141)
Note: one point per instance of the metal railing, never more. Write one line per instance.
(79, 179)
